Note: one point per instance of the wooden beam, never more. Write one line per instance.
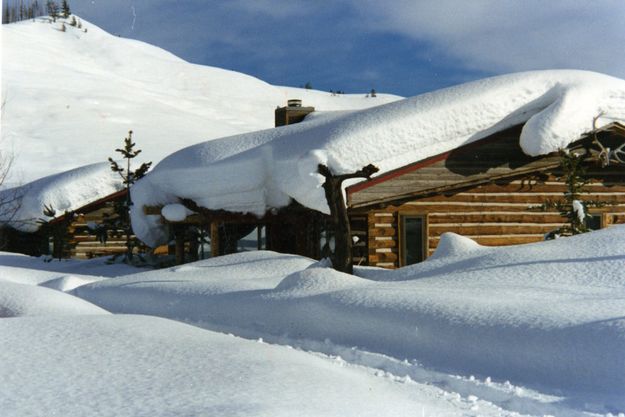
(214, 236)
(179, 236)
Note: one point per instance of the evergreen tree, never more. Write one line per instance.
(571, 206)
(129, 177)
(65, 9)
(53, 9)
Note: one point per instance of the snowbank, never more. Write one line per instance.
(146, 366)
(549, 314)
(35, 270)
(69, 98)
(18, 300)
(68, 190)
(255, 172)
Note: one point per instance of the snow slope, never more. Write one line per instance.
(146, 366)
(549, 315)
(258, 171)
(69, 98)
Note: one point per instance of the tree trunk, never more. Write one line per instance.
(332, 186)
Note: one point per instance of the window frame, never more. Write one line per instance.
(401, 218)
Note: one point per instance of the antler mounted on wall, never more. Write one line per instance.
(605, 154)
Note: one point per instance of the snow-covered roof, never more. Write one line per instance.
(258, 171)
(68, 190)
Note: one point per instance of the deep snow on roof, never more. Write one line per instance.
(67, 190)
(259, 171)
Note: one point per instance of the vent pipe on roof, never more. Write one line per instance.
(294, 102)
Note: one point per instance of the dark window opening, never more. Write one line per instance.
(593, 221)
(412, 239)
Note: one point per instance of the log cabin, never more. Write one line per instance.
(487, 190)
(85, 228)
(89, 229)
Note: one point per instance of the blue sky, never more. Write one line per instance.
(404, 47)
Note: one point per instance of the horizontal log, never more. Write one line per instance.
(387, 231)
(383, 257)
(84, 246)
(529, 198)
(546, 188)
(93, 238)
(493, 230)
(388, 243)
(496, 217)
(498, 240)
(152, 210)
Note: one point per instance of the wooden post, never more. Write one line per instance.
(171, 249)
(179, 233)
(332, 186)
(214, 239)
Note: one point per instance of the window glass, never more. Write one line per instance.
(412, 239)
(593, 221)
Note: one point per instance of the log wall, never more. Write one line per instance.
(85, 244)
(491, 214)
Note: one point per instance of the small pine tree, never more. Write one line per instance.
(571, 206)
(129, 177)
(65, 9)
(308, 85)
(52, 9)
(72, 22)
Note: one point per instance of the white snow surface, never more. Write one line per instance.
(69, 98)
(146, 366)
(255, 172)
(36, 270)
(548, 315)
(534, 330)
(20, 300)
(68, 190)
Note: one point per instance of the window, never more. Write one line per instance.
(593, 221)
(412, 239)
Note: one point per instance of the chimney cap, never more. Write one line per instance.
(294, 102)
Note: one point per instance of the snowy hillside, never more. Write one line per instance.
(69, 98)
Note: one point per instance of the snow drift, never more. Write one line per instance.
(147, 366)
(254, 172)
(550, 314)
(18, 300)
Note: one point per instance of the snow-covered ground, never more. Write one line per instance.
(534, 329)
(69, 98)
